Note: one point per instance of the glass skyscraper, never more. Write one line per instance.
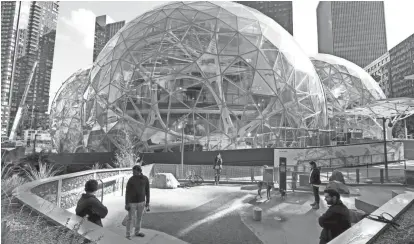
(352, 30)
(103, 33)
(279, 11)
(39, 46)
(9, 26)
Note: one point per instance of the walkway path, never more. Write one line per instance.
(223, 215)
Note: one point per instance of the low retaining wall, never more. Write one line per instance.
(367, 230)
(51, 197)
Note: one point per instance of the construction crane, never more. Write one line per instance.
(19, 113)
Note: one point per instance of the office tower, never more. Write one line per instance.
(352, 30)
(9, 26)
(379, 69)
(402, 68)
(280, 11)
(39, 46)
(103, 33)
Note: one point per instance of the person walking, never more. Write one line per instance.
(218, 166)
(336, 219)
(137, 197)
(315, 181)
(88, 205)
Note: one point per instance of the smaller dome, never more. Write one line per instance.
(346, 84)
(65, 114)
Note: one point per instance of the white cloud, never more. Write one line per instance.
(109, 19)
(83, 21)
(24, 15)
(62, 37)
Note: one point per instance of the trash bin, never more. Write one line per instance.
(257, 214)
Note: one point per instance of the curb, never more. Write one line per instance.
(225, 182)
(323, 183)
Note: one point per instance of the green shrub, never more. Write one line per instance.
(45, 171)
(23, 227)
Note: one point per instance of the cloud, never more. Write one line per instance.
(62, 37)
(83, 21)
(109, 20)
(24, 15)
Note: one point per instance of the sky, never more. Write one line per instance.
(76, 23)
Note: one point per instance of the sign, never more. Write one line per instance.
(354, 130)
(282, 173)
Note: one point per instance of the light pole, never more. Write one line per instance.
(182, 126)
(385, 146)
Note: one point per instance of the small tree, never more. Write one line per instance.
(127, 154)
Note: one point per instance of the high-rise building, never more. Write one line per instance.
(39, 46)
(402, 68)
(352, 30)
(379, 69)
(103, 33)
(9, 26)
(279, 11)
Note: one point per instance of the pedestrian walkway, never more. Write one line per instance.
(290, 221)
(116, 214)
(224, 214)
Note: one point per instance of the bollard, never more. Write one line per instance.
(382, 176)
(357, 176)
(257, 214)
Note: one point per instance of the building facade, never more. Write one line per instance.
(379, 69)
(9, 26)
(279, 11)
(39, 46)
(103, 33)
(352, 30)
(402, 68)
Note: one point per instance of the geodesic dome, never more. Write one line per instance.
(219, 70)
(65, 114)
(348, 86)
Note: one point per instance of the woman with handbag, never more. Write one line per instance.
(218, 166)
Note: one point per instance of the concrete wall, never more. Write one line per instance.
(247, 157)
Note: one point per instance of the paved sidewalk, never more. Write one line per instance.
(289, 221)
(116, 214)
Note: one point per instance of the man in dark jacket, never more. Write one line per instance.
(137, 197)
(88, 205)
(315, 181)
(336, 219)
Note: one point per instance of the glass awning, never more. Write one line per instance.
(391, 108)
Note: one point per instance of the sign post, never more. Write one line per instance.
(282, 173)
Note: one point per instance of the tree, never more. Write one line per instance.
(127, 154)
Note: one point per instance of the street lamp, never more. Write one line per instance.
(385, 145)
(181, 126)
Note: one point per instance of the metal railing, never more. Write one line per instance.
(295, 174)
(351, 161)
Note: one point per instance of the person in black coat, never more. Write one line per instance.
(315, 181)
(336, 219)
(88, 205)
(137, 198)
(218, 166)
